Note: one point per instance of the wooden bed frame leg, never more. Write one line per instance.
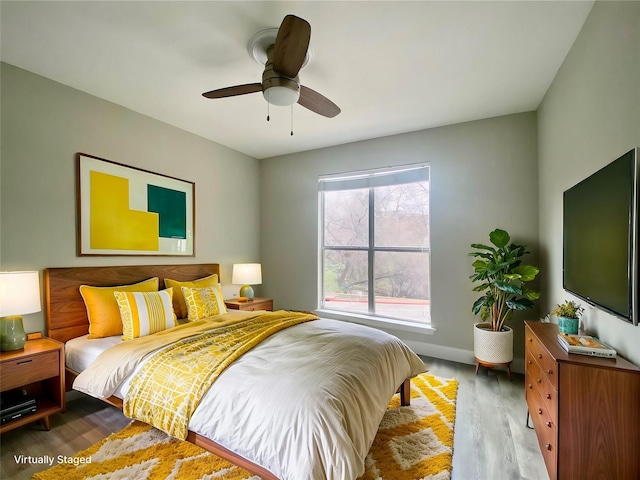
(405, 393)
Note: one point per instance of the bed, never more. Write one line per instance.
(262, 413)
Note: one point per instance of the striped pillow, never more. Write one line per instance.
(144, 313)
(204, 302)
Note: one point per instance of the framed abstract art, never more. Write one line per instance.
(124, 210)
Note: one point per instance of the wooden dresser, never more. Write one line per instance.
(585, 410)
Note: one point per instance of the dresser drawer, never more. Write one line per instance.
(25, 370)
(546, 430)
(545, 361)
(539, 382)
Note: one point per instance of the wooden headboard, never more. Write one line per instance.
(66, 312)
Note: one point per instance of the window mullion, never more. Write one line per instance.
(371, 255)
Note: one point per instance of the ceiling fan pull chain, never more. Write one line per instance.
(292, 120)
(268, 118)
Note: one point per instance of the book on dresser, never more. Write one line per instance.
(585, 345)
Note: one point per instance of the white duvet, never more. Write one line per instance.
(306, 402)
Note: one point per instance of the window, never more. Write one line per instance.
(375, 250)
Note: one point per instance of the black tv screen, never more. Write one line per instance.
(600, 238)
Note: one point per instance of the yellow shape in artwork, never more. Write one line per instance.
(114, 226)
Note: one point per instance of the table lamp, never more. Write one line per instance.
(247, 274)
(19, 295)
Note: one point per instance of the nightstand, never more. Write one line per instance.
(250, 305)
(38, 369)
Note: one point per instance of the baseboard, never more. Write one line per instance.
(454, 354)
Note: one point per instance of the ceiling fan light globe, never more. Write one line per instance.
(281, 96)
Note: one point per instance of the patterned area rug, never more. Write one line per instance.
(412, 443)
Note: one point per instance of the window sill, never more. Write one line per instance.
(378, 322)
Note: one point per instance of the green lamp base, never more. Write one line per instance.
(246, 291)
(12, 335)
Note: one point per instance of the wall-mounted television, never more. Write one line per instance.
(600, 238)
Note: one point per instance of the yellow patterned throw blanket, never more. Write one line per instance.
(169, 386)
(412, 443)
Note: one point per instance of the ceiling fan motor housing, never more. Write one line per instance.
(279, 89)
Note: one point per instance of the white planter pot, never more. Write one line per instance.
(492, 347)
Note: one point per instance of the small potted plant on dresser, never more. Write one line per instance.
(568, 314)
(502, 276)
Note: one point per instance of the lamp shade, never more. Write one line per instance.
(247, 274)
(19, 293)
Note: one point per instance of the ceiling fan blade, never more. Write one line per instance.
(233, 91)
(317, 103)
(292, 43)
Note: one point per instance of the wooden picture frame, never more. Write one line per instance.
(124, 210)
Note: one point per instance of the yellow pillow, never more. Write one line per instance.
(102, 308)
(204, 302)
(144, 313)
(179, 305)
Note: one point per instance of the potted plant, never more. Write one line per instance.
(502, 277)
(568, 314)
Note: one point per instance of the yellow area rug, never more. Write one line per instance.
(412, 443)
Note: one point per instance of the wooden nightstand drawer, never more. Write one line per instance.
(21, 371)
(258, 306)
(250, 306)
(39, 370)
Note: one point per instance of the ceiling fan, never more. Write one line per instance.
(285, 56)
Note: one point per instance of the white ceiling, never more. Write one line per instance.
(391, 66)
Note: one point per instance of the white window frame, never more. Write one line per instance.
(370, 179)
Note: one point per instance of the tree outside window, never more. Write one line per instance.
(375, 244)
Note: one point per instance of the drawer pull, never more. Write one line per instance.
(548, 446)
(530, 339)
(548, 396)
(549, 372)
(539, 355)
(529, 362)
(539, 380)
(540, 411)
(549, 424)
(530, 386)
(24, 361)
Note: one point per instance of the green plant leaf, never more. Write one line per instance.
(507, 287)
(478, 304)
(497, 266)
(512, 276)
(530, 294)
(482, 246)
(499, 238)
(481, 287)
(517, 250)
(480, 265)
(528, 272)
(486, 255)
(484, 275)
(520, 304)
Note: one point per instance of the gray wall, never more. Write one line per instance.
(45, 123)
(484, 175)
(589, 116)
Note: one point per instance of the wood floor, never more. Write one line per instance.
(491, 440)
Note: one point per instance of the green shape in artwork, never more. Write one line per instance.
(171, 206)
